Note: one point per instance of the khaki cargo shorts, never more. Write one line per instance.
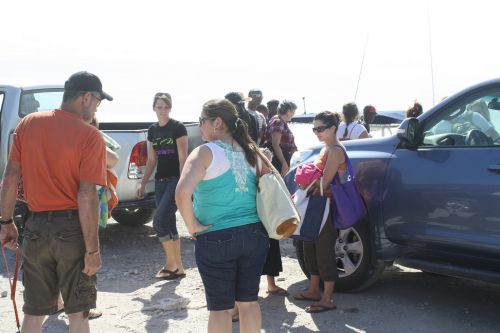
(53, 259)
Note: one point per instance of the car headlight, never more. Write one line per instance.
(300, 156)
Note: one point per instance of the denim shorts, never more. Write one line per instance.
(53, 259)
(164, 221)
(230, 262)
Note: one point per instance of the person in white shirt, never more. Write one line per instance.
(350, 128)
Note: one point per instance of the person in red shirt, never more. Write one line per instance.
(61, 158)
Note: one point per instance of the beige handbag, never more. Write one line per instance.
(275, 207)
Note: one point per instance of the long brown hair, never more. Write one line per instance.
(226, 111)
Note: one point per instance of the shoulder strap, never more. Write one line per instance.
(348, 163)
(352, 129)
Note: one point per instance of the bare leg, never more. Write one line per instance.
(235, 315)
(326, 299)
(313, 292)
(169, 249)
(78, 323)
(271, 284)
(272, 288)
(250, 317)
(177, 256)
(220, 322)
(32, 324)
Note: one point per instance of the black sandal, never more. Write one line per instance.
(170, 274)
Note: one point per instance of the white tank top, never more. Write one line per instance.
(220, 163)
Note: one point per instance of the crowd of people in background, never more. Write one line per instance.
(234, 128)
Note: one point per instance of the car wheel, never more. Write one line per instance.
(353, 259)
(133, 217)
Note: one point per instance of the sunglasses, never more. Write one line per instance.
(320, 129)
(203, 119)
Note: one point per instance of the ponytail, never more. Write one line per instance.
(240, 135)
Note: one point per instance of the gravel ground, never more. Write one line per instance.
(404, 300)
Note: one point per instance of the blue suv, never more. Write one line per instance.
(432, 192)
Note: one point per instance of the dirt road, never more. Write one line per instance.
(132, 300)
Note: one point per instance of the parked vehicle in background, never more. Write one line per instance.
(16, 102)
(432, 192)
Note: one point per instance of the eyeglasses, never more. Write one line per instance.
(320, 129)
(203, 119)
(98, 97)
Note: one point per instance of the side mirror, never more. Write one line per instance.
(407, 132)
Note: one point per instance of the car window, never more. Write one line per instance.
(39, 100)
(1, 101)
(474, 122)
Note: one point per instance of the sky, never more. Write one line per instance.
(310, 52)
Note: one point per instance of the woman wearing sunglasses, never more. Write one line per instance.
(216, 196)
(167, 153)
(319, 255)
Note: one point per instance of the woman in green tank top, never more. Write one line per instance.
(231, 243)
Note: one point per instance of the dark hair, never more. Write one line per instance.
(350, 112)
(261, 107)
(226, 111)
(415, 110)
(71, 95)
(164, 97)
(273, 103)
(329, 119)
(286, 106)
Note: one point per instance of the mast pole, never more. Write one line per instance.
(430, 53)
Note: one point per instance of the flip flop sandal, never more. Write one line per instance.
(301, 297)
(319, 308)
(180, 276)
(94, 314)
(278, 292)
(170, 274)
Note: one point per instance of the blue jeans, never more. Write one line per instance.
(164, 221)
(230, 262)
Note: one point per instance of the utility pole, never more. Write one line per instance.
(304, 101)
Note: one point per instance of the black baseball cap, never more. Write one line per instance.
(85, 81)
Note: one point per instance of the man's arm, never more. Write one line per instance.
(88, 211)
(8, 233)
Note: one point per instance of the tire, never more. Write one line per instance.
(353, 259)
(133, 217)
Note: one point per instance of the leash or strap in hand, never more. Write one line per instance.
(13, 284)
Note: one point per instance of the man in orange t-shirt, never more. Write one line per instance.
(61, 158)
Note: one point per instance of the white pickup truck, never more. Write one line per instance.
(17, 102)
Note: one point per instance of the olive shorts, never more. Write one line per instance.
(319, 255)
(53, 260)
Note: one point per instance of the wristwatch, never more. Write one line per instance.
(9, 221)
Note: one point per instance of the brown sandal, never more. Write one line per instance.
(170, 274)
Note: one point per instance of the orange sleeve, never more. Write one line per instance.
(93, 159)
(15, 151)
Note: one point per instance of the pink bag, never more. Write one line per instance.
(306, 174)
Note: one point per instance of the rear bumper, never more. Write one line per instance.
(148, 202)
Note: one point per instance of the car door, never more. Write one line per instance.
(444, 196)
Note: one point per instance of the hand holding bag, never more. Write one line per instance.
(275, 207)
(348, 206)
(313, 210)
